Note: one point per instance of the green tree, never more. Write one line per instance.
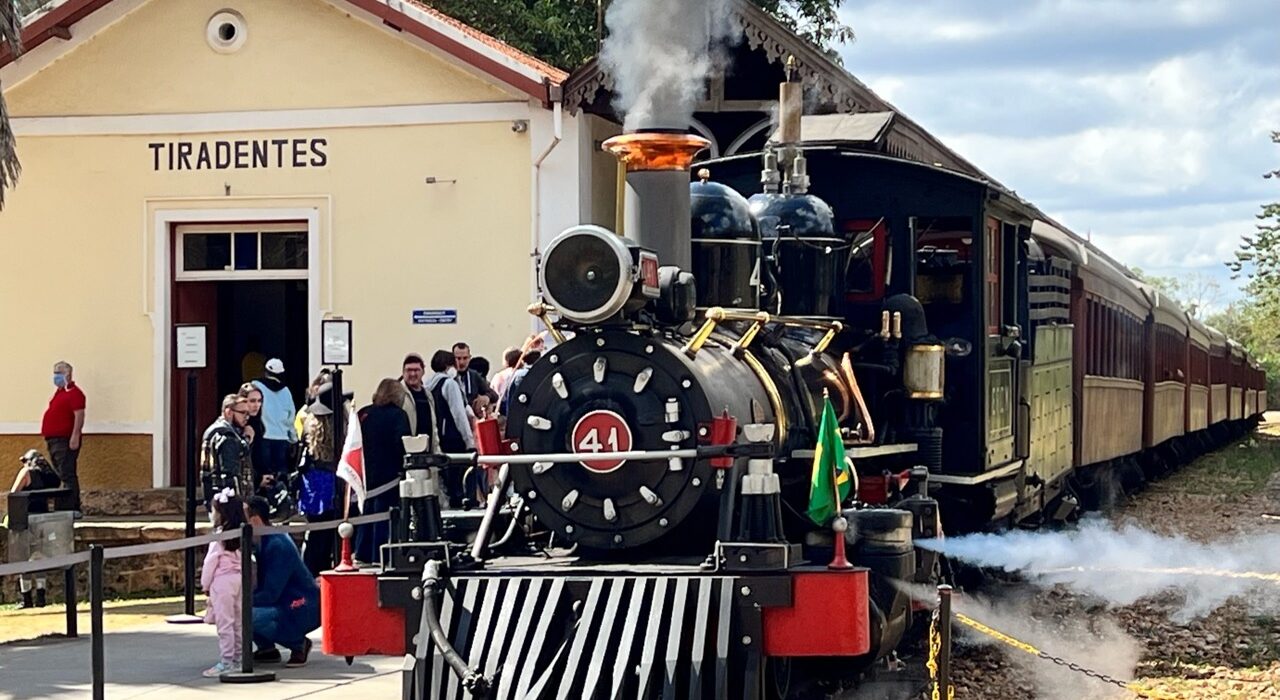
(1195, 292)
(566, 33)
(1258, 261)
(1258, 257)
(560, 32)
(818, 21)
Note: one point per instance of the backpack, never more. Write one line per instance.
(450, 436)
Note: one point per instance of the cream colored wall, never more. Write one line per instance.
(299, 54)
(82, 261)
(398, 245)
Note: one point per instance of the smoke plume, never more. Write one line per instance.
(660, 53)
(1125, 563)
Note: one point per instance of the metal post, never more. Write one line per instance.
(69, 599)
(95, 622)
(339, 415)
(246, 674)
(944, 635)
(188, 615)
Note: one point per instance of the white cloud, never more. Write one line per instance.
(962, 31)
(1109, 161)
(1145, 121)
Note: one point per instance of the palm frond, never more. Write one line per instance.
(11, 38)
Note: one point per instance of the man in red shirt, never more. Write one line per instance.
(61, 428)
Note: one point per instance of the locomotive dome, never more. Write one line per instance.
(720, 212)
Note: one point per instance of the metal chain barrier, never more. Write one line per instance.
(935, 647)
(1131, 686)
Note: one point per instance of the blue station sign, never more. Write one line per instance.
(434, 316)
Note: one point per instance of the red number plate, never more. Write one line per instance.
(601, 431)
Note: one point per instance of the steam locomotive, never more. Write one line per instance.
(986, 368)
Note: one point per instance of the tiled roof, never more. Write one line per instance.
(554, 74)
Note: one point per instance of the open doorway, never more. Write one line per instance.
(247, 283)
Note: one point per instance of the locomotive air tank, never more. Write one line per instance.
(804, 254)
(726, 246)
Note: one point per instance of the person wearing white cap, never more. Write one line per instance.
(278, 412)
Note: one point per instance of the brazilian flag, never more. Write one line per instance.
(831, 480)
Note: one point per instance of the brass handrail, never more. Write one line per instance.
(540, 310)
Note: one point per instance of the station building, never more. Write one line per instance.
(258, 167)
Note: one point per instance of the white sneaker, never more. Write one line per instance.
(220, 668)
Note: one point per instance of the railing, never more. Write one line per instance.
(96, 556)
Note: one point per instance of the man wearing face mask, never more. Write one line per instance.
(61, 427)
(224, 451)
(453, 416)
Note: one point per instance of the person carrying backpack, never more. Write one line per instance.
(454, 417)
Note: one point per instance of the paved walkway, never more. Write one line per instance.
(164, 662)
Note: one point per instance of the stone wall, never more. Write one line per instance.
(159, 574)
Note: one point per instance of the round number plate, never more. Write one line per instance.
(601, 431)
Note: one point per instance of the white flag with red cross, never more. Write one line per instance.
(351, 465)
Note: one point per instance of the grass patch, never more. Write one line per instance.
(114, 599)
(1244, 465)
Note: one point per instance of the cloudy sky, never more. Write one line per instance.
(1143, 122)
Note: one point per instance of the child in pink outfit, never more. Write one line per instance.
(220, 578)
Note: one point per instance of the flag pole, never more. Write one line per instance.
(839, 525)
(346, 531)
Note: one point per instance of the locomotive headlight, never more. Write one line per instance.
(590, 274)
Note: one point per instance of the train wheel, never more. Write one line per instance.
(1097, 487)
(777, 680)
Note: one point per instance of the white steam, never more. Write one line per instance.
(1123, 564)
(1098, 645)
(660, 53)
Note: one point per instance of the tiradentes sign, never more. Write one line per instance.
(243, 154)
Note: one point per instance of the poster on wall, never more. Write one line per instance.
(335, 334)
(191, 346)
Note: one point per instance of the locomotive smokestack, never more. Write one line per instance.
(657, 164)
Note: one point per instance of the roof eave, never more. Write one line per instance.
(58, 20)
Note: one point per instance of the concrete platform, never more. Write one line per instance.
(164, 662)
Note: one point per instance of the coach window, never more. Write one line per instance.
(1095, 337)
(1113, 340)
(945, 269)
(866, 267)
(995, 296)
(1134, 347)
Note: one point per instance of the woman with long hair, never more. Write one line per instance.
(254, 429)
(317, 480)
(382, 425)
